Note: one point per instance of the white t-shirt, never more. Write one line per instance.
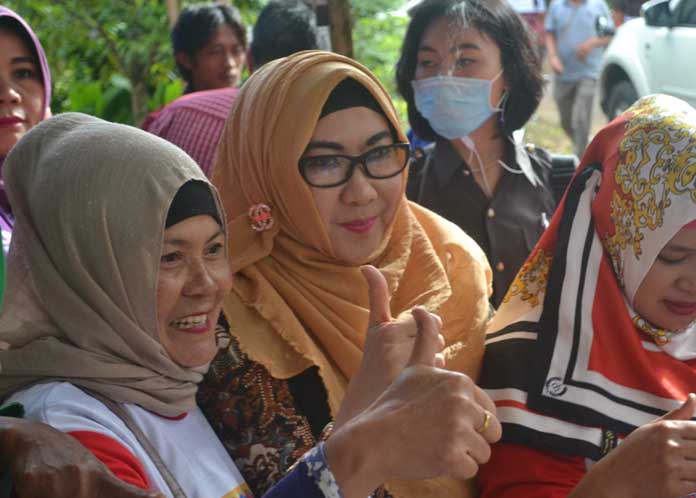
(187, 445)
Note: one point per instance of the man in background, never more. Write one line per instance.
(209, 42)
(574, 48)
(194, 122)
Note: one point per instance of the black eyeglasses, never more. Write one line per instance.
(336, 169)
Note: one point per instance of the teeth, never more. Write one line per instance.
(190, 322)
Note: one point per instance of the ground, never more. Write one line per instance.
(544, 129)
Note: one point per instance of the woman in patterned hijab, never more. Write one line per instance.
(597, 336)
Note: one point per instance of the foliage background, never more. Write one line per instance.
(112, 58)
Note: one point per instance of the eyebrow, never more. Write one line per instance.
(377, 137)
(461, 46)
(321, 144)
(182, 242)
(19, 60)
(470, 46)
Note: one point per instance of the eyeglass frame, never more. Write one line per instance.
(355, 161)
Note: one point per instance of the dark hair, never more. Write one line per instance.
(499, 21)
(197, 23)
(283, 28)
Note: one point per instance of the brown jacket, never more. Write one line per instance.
(507, 226)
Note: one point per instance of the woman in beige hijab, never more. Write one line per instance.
(312, 169)
(111, 319)
(113, 300)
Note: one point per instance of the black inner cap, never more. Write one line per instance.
(349, 93)
(194, 198)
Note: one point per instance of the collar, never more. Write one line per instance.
(448, 163)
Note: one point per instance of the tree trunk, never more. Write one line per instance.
(341, 27)
(139, 101)
(172, 12)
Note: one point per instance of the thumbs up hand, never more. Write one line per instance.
(389, 343)
(428, 423)
(428, 345)
(657, 460)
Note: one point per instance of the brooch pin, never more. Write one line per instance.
(260, 217)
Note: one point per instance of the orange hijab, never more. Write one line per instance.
(293, 303)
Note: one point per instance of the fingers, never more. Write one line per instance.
(378, 294)
(684, 412)
(428, 342)
(479, 449)
(494, 431)
(4, 346)
(462, 466)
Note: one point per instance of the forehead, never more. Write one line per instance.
(447, 34)
(13, 44)
(224, 34)
(351, 125)
(684, 239)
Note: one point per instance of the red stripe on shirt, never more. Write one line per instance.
(516, 471)
(120, 461)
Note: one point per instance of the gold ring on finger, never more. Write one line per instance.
(486, 422)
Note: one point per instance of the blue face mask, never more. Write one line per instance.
(454, 106)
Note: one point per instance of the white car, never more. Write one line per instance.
(655, 53)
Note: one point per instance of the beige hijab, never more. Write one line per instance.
(294, 304)
(91, 199)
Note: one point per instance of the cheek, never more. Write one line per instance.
(653, 289)
(327, 202)
(168, 291)
(390, 192)
(33, 103)
(222, 274)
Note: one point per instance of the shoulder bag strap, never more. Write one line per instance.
(125, 417)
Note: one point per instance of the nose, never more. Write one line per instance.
(230, 59)
(8, 94)
(359, 189)
(200, 281)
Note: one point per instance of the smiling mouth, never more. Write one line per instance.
(192, 324)
(10, 121)
(360, 226)
(680, 308)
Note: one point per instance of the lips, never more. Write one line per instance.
(360, 225)
(192, 324)
(11, 121)
(680, 307)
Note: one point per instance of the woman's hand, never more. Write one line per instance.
(45, 462)
(429, 423)
(657, 460)
(388, 345)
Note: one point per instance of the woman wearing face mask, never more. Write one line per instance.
(470, 75)
(25, 94)
(591, 359)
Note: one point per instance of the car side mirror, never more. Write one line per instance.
(657, 13)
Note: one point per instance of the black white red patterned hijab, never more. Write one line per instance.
(569, 363)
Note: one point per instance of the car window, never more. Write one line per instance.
(686, 13)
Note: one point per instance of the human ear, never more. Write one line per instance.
(184, 60)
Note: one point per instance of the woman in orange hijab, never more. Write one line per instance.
(312, 169)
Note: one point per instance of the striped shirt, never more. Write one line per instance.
(194, 122)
